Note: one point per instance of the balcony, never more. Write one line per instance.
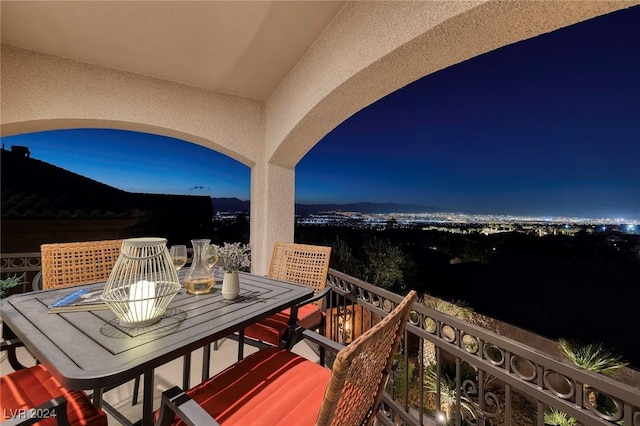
(449, 371)
(358, 54)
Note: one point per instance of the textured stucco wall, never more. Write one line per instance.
(43, 92)
(272, 211)
(363, 33)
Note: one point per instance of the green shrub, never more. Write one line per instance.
(10, 282)
(593, 357)
(555, 417)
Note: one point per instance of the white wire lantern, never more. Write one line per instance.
(142, 282)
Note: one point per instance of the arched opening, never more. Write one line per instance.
(87, 184)
(518, 130)
(526, 158)
(136, 161)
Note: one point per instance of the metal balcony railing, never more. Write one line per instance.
(19, 263)
(31, 264)
(453, 372)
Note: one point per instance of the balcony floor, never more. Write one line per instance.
(168, 375)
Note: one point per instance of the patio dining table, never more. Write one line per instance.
(90, 350)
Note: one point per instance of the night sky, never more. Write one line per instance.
(548, 126)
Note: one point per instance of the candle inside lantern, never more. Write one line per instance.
(141, 299)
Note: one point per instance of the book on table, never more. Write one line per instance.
(84, 299)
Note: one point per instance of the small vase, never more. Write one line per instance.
(230, 285)
(199, 279)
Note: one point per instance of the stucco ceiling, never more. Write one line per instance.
(237, 47)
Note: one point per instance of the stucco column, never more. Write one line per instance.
(272, 211)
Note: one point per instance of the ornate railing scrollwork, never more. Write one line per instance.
(520, 365)
(470, 343)
(414, 318)
(494, 354)
(20, 262)
(559, 384)
(430, 325)
(387, 305)
(492, 368)
(376, 300)
(596, 401)
(448, 333)
(489, 409)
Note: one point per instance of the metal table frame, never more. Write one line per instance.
(90, 350)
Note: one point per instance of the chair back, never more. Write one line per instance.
(67, 264)
(360, 371)
(300, 264)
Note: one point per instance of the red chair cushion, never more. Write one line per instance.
(270, 387)
(28, 388)
(273, 328)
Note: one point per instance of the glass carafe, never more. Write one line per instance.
(199, 278)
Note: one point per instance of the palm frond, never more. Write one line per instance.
(555, 417)
(593, 357)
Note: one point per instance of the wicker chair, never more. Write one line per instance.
(68, 264)
(276, 387)
(84, 262)
(31, 393)
(300, 264)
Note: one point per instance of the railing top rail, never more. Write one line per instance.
(15, 255)
(365, 285)
(20, 262)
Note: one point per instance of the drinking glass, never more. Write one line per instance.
(212, 255)
(179, 256)
(212, 258)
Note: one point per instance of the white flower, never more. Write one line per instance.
(234, 256)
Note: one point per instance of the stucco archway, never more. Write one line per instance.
(410, 40)
(44, 92)
(385, 47)
(93, 123)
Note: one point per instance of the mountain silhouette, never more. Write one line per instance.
(31, 187)
(364, 207)
(240, 206)
(43, 203)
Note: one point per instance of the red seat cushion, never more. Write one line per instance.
(28, 388)
(272, 329)
(270, 387)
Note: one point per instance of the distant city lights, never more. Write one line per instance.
(486, 224)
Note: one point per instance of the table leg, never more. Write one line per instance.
(186, 371)
(206, 361)
(240, 345)
(97, 398)
(147, 399)
(290, 338)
